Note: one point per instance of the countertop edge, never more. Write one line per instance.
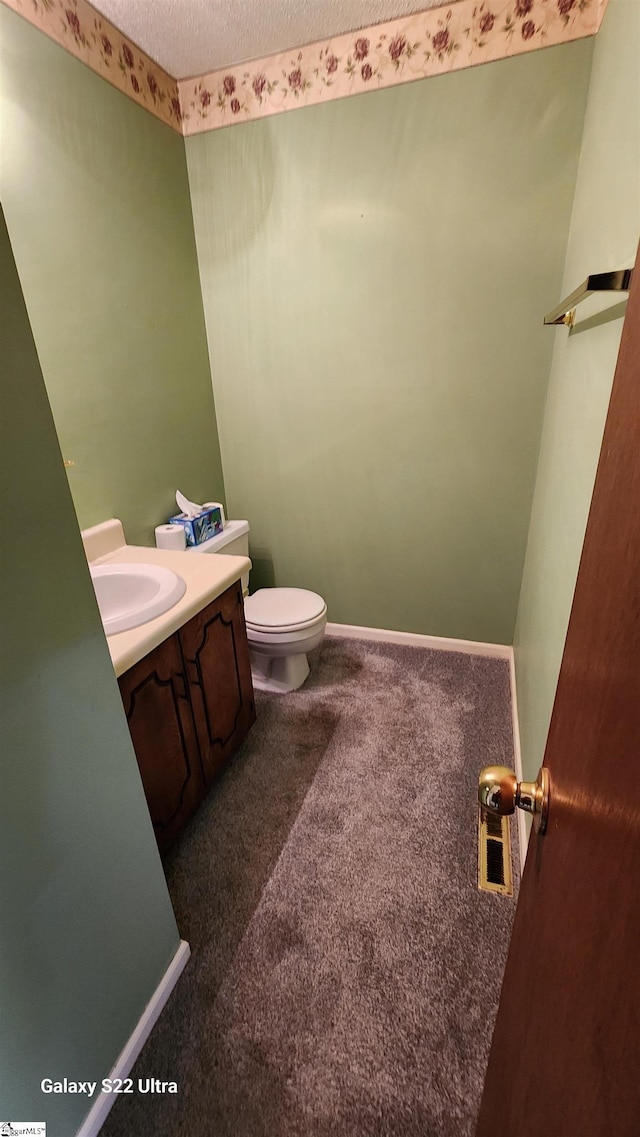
(128, 648)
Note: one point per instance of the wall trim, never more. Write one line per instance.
(520, 819)
(101, 1107)
(435, 643)
(429, 43)
(77, 27)
(451, 37)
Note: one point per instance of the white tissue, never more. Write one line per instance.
(189, 508)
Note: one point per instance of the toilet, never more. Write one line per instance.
(283, 624)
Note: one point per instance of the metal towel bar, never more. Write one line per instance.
(619, 281)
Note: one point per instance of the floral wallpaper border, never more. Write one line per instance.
(460, 34)
(76, 26)
(443, 39)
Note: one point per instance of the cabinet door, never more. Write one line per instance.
(216, 655)
(160, 719)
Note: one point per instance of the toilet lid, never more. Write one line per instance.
(282, 607)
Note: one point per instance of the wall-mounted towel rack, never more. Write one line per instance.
(598, 282)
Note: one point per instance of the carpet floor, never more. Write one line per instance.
(345, 969)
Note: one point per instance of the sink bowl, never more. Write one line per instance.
(130, 595)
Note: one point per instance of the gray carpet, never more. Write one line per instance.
(345, 967)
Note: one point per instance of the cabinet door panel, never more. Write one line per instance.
(216, 654)
(162, 729)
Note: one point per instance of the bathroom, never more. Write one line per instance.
(330, 320)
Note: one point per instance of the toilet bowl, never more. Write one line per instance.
(283, 624)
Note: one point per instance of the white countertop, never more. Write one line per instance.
(206, 578)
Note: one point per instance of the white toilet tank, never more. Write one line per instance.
(233, 542)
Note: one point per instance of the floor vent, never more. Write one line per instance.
(494, 854)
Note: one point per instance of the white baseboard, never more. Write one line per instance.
(435, 643)
(520, 820)
(97, 1115)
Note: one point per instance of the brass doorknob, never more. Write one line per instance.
(500, 792)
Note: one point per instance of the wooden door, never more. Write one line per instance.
(565, 1059)
(216, 654)
(161, 723)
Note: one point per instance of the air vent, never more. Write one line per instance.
(494, 854)
(494, 825)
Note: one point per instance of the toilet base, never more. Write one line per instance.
(285, 673)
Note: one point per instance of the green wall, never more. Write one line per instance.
(96, 198)
(605, 226)
(87, 926)
(375, 272)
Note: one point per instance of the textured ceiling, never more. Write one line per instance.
(192, 37)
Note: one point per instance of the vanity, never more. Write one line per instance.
(184, 676)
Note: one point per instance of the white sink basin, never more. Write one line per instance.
(130, 595)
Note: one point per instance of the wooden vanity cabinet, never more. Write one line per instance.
(216, 655)
(158, 710)
(189, 704)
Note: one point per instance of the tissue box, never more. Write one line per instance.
(198, 529)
